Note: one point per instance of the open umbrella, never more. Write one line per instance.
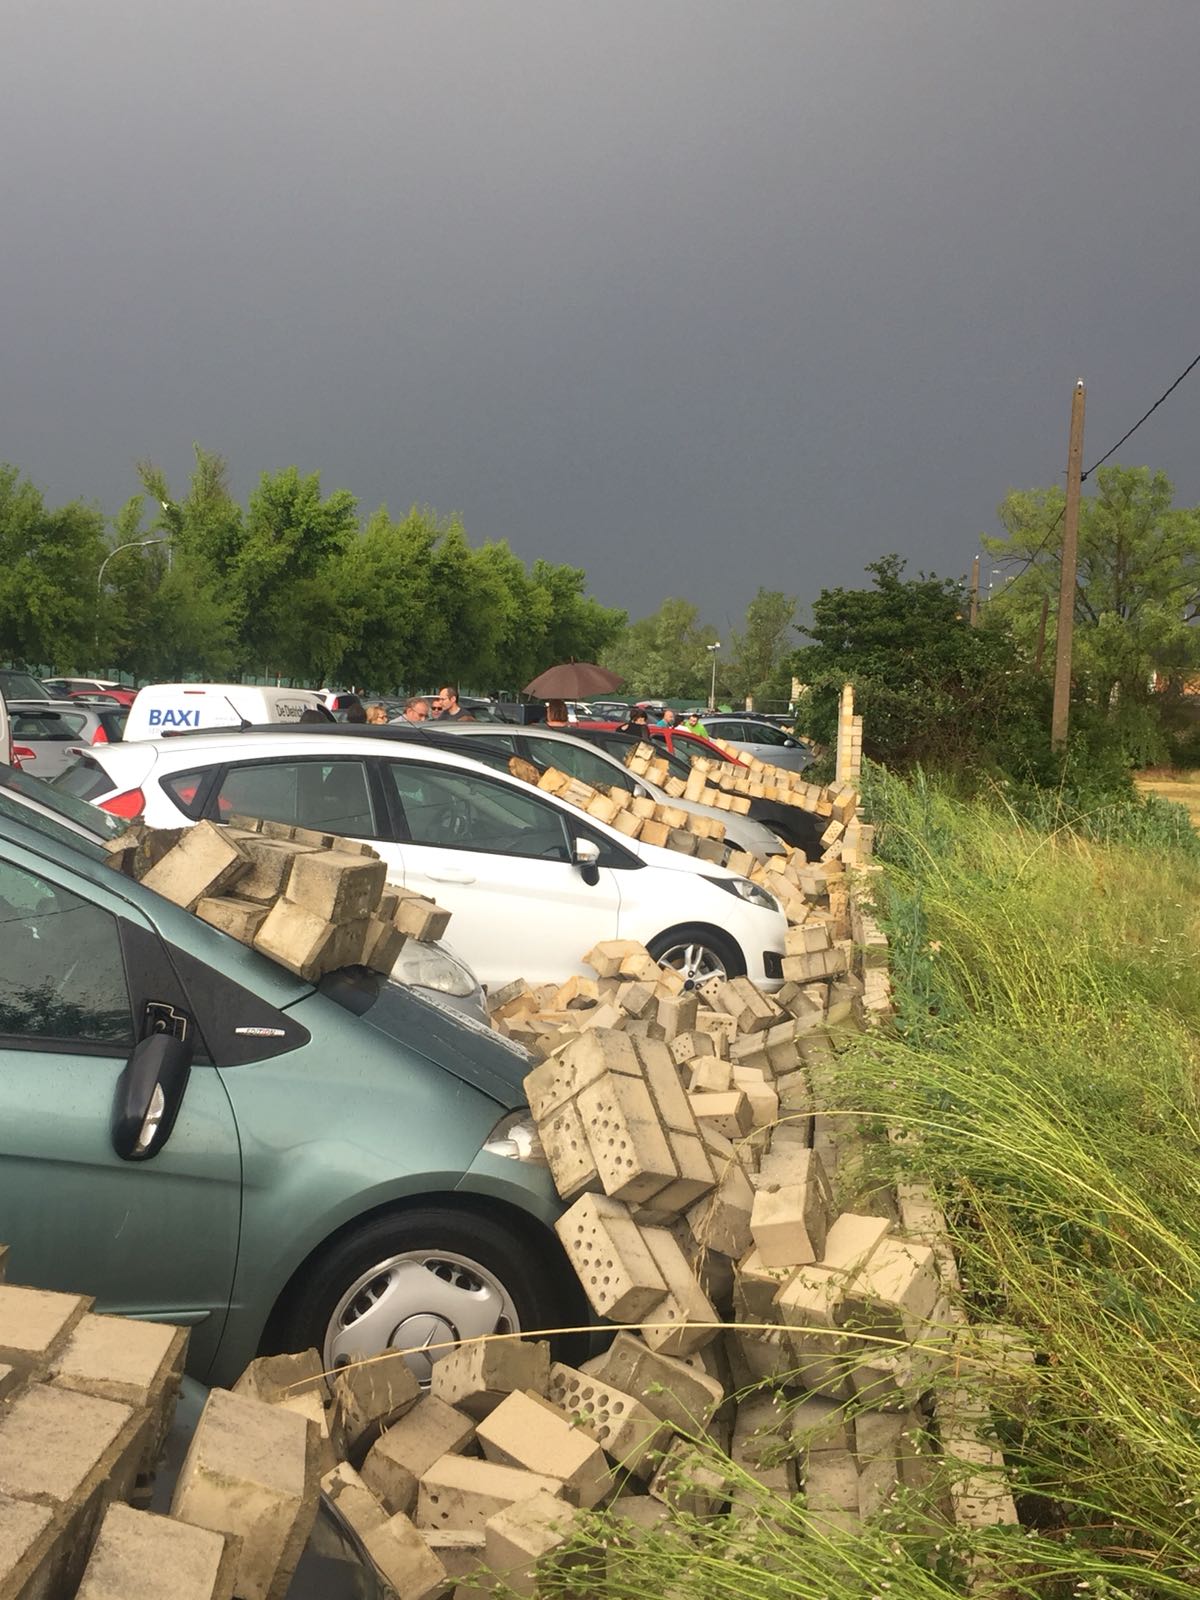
(574, 680)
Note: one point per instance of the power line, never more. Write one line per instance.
(1029, 560)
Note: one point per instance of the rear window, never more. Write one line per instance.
(113, 723)
(85, 780)
(21, 686)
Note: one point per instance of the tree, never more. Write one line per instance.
(49, 562)
(1137, 591)
(665, 654)
(929, 687)
(758, 651)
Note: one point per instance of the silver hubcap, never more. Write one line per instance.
(418, 1301)
(697, 963)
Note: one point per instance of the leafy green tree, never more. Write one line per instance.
(1137, 592)
(759, 650)
(930, 688)
(665, 654)
(49, 563)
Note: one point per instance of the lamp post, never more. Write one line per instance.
(133, 544)
(712, 693)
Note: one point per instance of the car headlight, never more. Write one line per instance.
(753, 893)
(516, 1137)
(431, 966)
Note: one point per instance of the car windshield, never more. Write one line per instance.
(30, 801)
(21, 686)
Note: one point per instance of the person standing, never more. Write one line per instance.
(377, 714)
(692, 724)
(447, 708)
(416, 709)
(556, 714)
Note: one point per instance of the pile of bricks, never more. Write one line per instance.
(636, 816)
(313, 901)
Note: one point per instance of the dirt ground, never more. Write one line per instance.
(1182, 787)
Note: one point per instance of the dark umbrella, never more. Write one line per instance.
(574, 680)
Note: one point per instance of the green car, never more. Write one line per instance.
(190, 1133)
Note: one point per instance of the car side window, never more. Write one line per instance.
(764, 733)
(582, 764)
(330, 795)
(469, 811)
(62, 976)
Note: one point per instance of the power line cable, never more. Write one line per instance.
(1084, 476)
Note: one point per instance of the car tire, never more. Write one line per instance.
(417, 1280)
(699, 953)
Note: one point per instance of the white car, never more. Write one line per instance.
(532, 883)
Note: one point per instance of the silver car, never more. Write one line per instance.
(50, 735)
(761, 739)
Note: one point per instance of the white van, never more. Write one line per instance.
(162, 708)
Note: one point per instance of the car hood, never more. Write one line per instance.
(456, 1043)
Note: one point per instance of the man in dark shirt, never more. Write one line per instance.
(446, 706)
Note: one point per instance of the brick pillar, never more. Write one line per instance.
(849, 739)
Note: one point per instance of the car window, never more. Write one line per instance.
(20, 686)
(585, 765)
(58, 726)
(62, 976)
(764, 733)
(469, 811)
(330, 795)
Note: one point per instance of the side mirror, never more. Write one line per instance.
(586, 854)
(791, 744)
(148, 1096)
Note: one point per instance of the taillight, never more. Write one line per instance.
(129, 804)
(22, 752)
(100, 737)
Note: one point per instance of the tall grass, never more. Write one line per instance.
(1045, 1055)
(1047, 1052)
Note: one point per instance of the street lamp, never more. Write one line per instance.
(134, 544)
(712, 693)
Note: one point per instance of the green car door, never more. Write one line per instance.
(84, 979)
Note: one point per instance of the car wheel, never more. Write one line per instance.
(699, 954)
(418, 1281)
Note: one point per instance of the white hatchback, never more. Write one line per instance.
(532, 883)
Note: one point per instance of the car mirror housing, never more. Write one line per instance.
(148, 1096)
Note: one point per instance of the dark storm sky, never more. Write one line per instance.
(697, 296)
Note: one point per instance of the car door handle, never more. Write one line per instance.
(449, 876)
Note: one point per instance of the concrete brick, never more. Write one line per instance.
(369, 1396)
(616, 1270)
(831, 1490)
(762, 1442)
(809, 1306)
(239, 918)
(619, 958)
(132, 1362)
(206, 861)
(816, 1425)
(686, 1047)
(354, 1503)
(661, 1076)
(59, 1448)
(627, 1140)
(852, 1240)
(895, 1295)
(751, 1050)
(755, 1288)
(32, 1556)
(10, 1381)
(685, 1319)
(530, 1433)
(142, 1557)
(460, 1550)
(580, 1061)
(760, 1356)
(520, 1541)
(877, 1438)
(420, 918)
(689, 1481)
(710, 1075)
(407, 1563)
(677, 1014)
(637, 997)
(721, 1025)
(680, 1394)
(271, 861)
(760, 1096)
(568, 1153)
(696, 1176)
(475, 1377)
(389, 1478)
(791, 1212)
(432, 1429)
(250, 1471)
(35, 1325)
(721, 1221)
(459, 1492)
(638, 1511)
(806, 939)
(727, 1113)
(298, 939)
(626, 1429)
(382, 944)
(275, 1378)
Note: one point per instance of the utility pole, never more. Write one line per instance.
(975, 592)
(1060, 716)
